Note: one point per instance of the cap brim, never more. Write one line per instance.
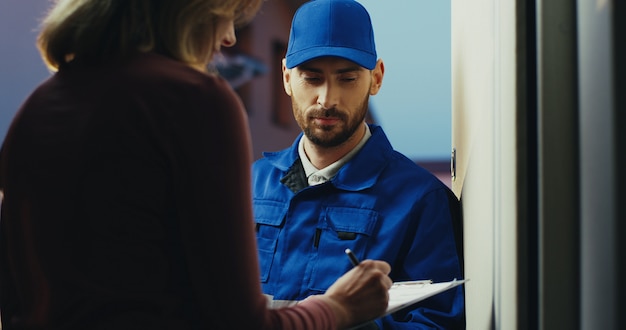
(364, 59)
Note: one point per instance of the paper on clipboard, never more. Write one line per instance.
(404, 294)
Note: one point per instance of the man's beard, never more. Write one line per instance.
(327, 138)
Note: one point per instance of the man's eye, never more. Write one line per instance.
(348, 79)
(312, 79)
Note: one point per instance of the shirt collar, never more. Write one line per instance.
(316, 176)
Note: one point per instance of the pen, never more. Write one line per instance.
(353, 259)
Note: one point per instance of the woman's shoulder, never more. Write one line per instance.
(164, 79)
(153, 68)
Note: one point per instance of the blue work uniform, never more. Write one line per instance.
(381, 205)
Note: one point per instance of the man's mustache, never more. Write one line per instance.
(332, 112)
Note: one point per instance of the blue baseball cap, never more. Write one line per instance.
(341, 28)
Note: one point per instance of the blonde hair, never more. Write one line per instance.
(102, 30)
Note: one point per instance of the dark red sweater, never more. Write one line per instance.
(127, 205)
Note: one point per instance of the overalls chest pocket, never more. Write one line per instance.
(339, 228)
(269, 217)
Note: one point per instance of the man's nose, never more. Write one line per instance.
(327, 97)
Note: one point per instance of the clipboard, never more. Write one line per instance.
(405, 294)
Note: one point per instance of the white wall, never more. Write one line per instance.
(483, 134)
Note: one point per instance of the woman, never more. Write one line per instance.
(126, 181)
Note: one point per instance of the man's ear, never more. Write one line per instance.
(286, 78)
(377, 77)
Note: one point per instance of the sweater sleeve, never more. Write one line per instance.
(311, 313)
